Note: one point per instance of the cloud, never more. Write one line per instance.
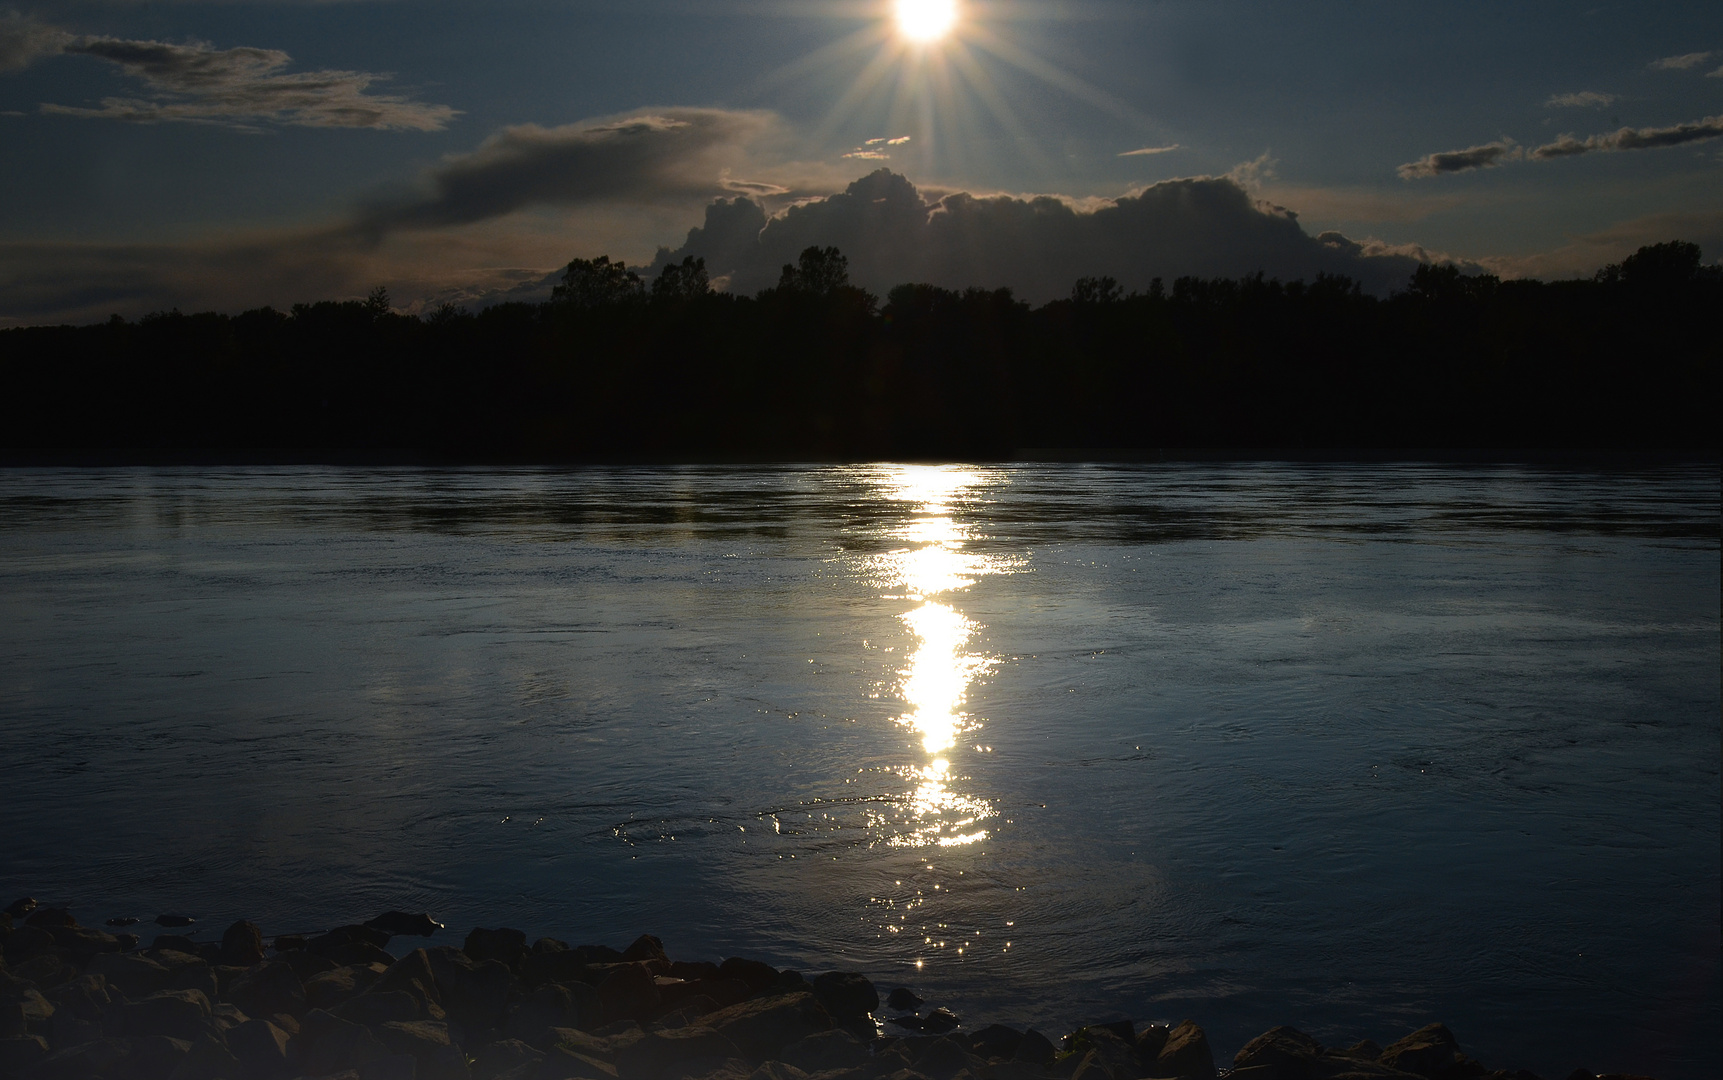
(241, 87)
(876, 149)
(666, 155)
(1632, 139)
(1680, 63)
(23, 41)
(1149, 150)
(1485, 156)
(1718, 74)
(1584, 255)
(1037, 245)
(1585, 99)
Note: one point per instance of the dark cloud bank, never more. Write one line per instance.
(1039, 246)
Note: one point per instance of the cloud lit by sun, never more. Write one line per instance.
(925, 21)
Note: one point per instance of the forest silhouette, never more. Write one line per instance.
(615, 368)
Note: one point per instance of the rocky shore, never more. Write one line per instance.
(78, 1002)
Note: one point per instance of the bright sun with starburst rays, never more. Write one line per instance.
(925, 21)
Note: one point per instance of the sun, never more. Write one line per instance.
(925, 21)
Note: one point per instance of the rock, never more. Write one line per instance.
(1150, 1042)
(401, 923)
(373, 1007)
(645, 947)
(153, 1057)
(903, 1000)
(51, 918)
(85, 997)
(268, 989)
(693, 971)
(995, 1042)
(1015, 1070)
(178, 1014)
(124, 920)
(47, 970)
(331, 988)
(757, 976)
(186, 972)
(629, 992)
(1114, 1047)
(940, 1021)
(427, 1043)
(260, 1048)
(81, 943)
(133, 975)
(27, 942)
(777, 1070)
(1364, 1050)
(1185, 1055)
(172, 921)
(825, 1051)
(1429, 1051)
(67, 1030)
(550, 1006)
(207, 1059)
(412, 975)
(944, 1058)
(475, 994)
(669, 1055)
(20, 907)
(288, 942)
(306, 965)
(176, 942)
(78, 1062)
(503, 945)
(909, 1023)
(563, 1063)
(1287, 1054)
(242, 945)
(13, 1024)
(501, 1057)
(762, 1026)
(335, 1044)
(20, 1052)
(846, 995)
(689, 1011)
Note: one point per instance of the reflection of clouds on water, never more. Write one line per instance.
(940, 670)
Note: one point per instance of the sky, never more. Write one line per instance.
(226, 155)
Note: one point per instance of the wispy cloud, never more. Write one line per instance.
(1585, 99)
(242, 87)
(23, 41)
(1483, 156)
(1682, 62)
(1150, 150)
(877, 149)
(670, 155)
(1718, 74)
(1632, 139)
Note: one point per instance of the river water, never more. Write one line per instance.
(1350, 748)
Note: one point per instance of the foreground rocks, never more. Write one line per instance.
(82, 1003)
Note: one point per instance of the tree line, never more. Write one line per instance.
(614, 367)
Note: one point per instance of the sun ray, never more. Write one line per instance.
(1055, 76)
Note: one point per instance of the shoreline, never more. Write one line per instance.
(79, 1002)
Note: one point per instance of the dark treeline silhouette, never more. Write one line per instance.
(616, 367)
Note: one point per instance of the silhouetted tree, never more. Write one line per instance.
(818, 272)
(686, 280)
(597, 283)
(1096, 290)
(377, 302)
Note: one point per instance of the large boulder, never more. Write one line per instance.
(1429, 1051)
(551, 1006)
(331, 1045)
(242, 945)
(153, 1057)
(332, 988)
(396, 923)
(347, 945)
(629, 992)
(412, 975)
(96, 1058)
(1281, 1053)
(427, 1043)
(670, 1055)
(847, 995)
(826, 1051)
(761, 1027)
(208, 1059)
(260, 1048)
(1186, 1055)
(132, 974)
(474, 993)
(178, 1014)
(504, 945)
(268, 989)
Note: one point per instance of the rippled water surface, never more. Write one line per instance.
(1345, 747)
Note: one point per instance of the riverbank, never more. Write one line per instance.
(79, 1002)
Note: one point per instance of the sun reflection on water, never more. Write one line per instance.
(940, 670)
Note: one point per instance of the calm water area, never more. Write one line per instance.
(1347, 747)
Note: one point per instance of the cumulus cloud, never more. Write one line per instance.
(1585, 99)
(877, 149)
(1484, 156)
(23, 41)
(667, 155)
(1682, 62)
(1148, 151)
(1037, 245)
(241, 87)
(1632, 139)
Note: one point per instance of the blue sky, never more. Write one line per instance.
(223, 155)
